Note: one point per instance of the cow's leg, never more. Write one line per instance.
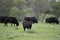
(30, 27)
(24, 28)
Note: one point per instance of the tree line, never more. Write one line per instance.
(22, 8)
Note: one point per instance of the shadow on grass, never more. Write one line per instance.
(31, 31)
(9, 37)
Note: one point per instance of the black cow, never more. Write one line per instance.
(27, 25)
(34, 20)
(27, 18)
(2, 19)
(31, 19)
(11, 20)
(6, 19)
(52, 20)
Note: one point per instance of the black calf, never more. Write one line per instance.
(27, 25)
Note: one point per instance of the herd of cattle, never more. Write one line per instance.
(28, 21)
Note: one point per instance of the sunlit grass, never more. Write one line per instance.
(40, 31)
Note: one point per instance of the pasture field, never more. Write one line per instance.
(40, 31)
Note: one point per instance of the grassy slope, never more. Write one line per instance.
(40, 31)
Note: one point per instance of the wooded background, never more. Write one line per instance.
(41, 9)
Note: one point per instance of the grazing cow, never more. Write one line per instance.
(27, 25)
(6, 19)
(52, 20)
(11, 20)
(31, 19)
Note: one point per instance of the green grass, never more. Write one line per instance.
(40, 31)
